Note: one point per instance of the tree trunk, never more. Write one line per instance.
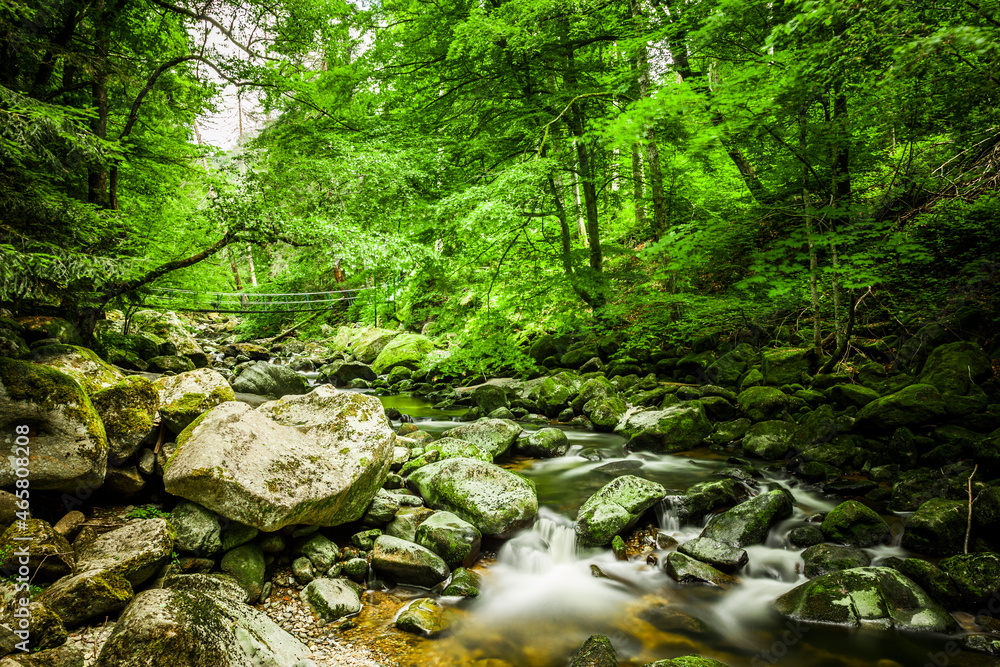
(637, 189)
(97, 176)
(649, 132)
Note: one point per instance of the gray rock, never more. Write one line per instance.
(198, 529)
(127, 410)
(686, 570)
(185, 396)
(80, 597)
(216, 585)
(407, 563)
(135, 551)
(718, 555)
(331, 599)
(60, 656)
(340, 442)
(493, 436)
(456, 541)
(494, 500)
(266, 379)
(181, 627)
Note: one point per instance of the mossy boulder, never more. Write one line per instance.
(764, 403)
(12, 343)
(198, 529)
(264, 379)
(687, 570)
(822, 559)
(136, 551)
(464, 583)
(321, 552)
(493, 436)
(788, 365)
(341, 373)
(976, 577)
(545, 346)
(873, 597)
(615, 508)
(127, 410)
(847, 395)
(49, 554)
(728, 368)
(249, 465)
(246, 565)
(856, 525)
(544, 443)
(81, 364)
(592, 388)
(404, 524)
(330, 599)
(937, 528)
(911, 406)
(457, 542)
(954, 368)
(166, 328)
(186, 396)
(249, 350)
(81, 597)
(46, 629)
(489, 397)
(183, 627)
(496, 501)
(730, 431)
(687, 661)
(449, 448)
(771, 439)
(407, 562)
(68, 446)
(705, 497)
(408, 349)
(40, 327)
(718, 555)
(605, 412)
(749, 522)
(552, 395)
(675, 429)
(170, 363)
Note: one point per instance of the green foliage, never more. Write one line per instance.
(147, 512)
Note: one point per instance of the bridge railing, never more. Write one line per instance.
(250, 302)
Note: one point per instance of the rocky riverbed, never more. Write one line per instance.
(309, 525)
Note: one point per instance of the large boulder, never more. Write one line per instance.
(42, 327)
(552, 395)
(489, 397)
(615, 508)
(493, 436)
(168, 331)
(876, 597)
(186, 396)
(749, 522)
(456, 541)
(496, 501)
(185, 627)
(771, 439)
(955, 368)
(544, 443)
(728, 368)
(342, 372)
(855, 525)
(136, 551)
(367, 343)
(407, 350)
(127, 411)
(788, 365)
(81, 364)
(11, 343)
(79, 597)
(677, 428)
(407, 562)
(937, 528)
(976, 578)
(763, 403)
(911, 406)
(264, 379)
(67, 445)
(316, 459)
(47, 553)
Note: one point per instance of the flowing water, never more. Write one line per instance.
(540, 599)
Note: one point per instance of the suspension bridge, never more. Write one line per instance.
(253, 302)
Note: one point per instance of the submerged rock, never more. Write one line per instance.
(423, 616)
(876, 597)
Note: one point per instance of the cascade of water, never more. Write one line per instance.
(666, 515)
(550, 542)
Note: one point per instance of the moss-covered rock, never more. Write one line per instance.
(407, 562)
(81, 364)
(493, 436)
(675, 429)
(605, 413)
(597, 651)
(406, 349)
(246, 565)
(615, 508)
(464, 583)
(937, 528)
(80, 597)
(686, 570)
(46, 629)
(171, 363)
(718, 555)
(875, 597)
(127, 410)
(687, 661)
(976, 577)
(955, 367)
(749, 522)
(186, 396)
(49, 554)
(331, 599)
(729, 367)
(788, 365)
(764, 403)
(198, 530)
(404, 524)
(341, 373)
(248, 465)
(425, 616)
(135, 551)
(40, 327)
(595, 387)
(911, 406)
(847, 395)
(705, 497)
(543, 443)
(12, 343)
(823, 559)
(457, 542)
(68, 446)
(166, 328)
(934, 581)
(496, 501)
(856, 525)
(175, 628)
(771, 439)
